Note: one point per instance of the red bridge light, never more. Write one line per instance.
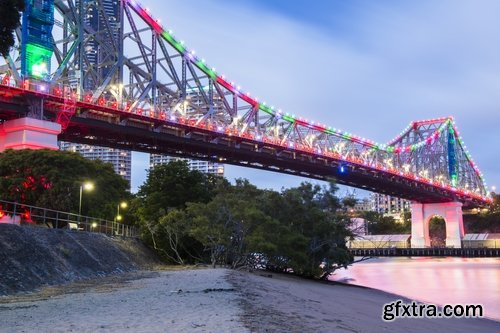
(6, 80)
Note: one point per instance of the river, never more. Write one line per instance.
(432, 280)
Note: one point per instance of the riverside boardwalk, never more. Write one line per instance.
(212, 300)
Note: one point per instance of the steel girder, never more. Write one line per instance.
(433, 150)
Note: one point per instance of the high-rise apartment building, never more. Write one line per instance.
(203, 166)
(387, 204)
(120, 159)
(99, 61)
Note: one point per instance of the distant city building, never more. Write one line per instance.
(120, 159)
(387, 204)
(363, 205)
(203, 166)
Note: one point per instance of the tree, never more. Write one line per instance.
(495, 205)
(487, 220)
(328, 200)
(160, 209)
(348, 202)
(225, 224)
(378, 224)
(406, 219)
(437, 231)
(52, 179)
(169, 235)
(313, 234)
(9, 22)
(186, 215)
(172, 185)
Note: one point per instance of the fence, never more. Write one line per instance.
(428, 252)
(16, 213)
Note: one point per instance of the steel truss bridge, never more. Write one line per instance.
(132, 84)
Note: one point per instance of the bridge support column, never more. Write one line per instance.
(421, 215)
(419, 228)
(29, 133)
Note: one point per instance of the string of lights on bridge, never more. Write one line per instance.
(86, 101)
(59, 92)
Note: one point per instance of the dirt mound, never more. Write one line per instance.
(31, 257)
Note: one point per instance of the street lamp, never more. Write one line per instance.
(123, 205)
(87, 186)
(118, 217)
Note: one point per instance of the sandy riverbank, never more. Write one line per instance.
(208, 300)
(290, 304)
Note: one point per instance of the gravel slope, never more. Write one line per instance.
(32, 257)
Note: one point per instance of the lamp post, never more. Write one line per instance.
(87, 186)
(123, 205)
(118, 217)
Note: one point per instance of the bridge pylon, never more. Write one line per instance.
(422, 213)
(29, 133)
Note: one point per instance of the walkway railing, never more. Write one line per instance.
(427, 252)
(21, 214)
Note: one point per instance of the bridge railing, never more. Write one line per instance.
(21, 214)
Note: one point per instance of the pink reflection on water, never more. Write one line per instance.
(433, 280)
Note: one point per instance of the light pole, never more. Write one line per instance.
(123, 205)
(87, 186)
(118, 217)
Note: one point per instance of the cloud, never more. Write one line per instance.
(386, 65)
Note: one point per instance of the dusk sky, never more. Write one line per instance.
(367, 67)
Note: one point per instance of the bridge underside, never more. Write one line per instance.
(204, 146)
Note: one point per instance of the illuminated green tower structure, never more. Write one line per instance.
(36, 42)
